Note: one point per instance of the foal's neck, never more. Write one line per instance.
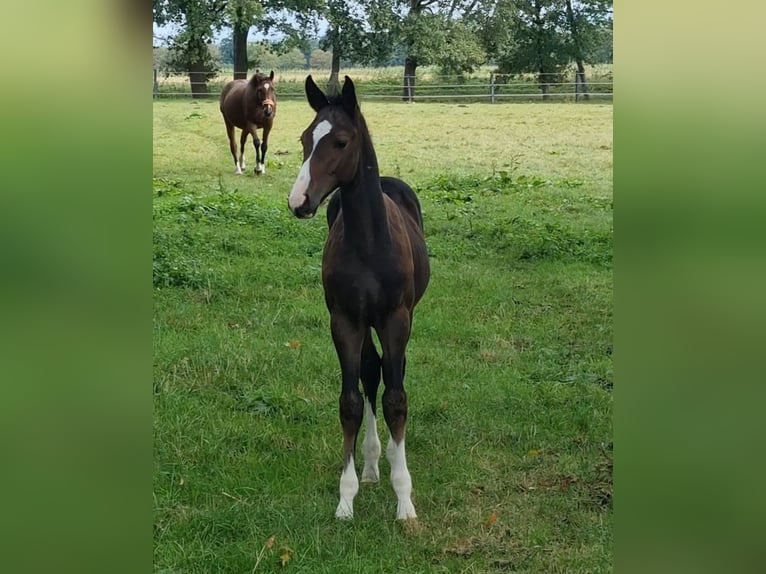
(365, 221)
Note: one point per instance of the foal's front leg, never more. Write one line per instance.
(348, 344)
(242, 142)
(394, 338)
(259, 168)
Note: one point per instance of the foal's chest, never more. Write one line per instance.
(363, 291)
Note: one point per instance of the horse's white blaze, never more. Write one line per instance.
(371, 446)
(400, 479)
(266, 85)
(301, 185)
(349, 486)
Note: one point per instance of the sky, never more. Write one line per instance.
(161, 33)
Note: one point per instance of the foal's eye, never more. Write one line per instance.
(340, 144)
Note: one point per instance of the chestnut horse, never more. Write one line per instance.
(374, 271)
(249, 105)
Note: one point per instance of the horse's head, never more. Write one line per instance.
(265, 97)
(331, 148)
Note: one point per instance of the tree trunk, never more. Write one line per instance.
(239, 40)
(580, 85)
(543, 82)
(410, 65)
(198, 80)
(333, 84)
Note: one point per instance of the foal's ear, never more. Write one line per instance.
(349, 97)
(317, 100)
(271, 75)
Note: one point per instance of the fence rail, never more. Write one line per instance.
(487, 88)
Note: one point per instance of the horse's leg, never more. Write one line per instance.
(370, 382)
(264, 147)
(232, 144)
(393, 337)
(242, 142)
(257, 145)
(348, 340)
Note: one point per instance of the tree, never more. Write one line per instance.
(432, 32)
(190, 47)
(461, 50)
(242, 15)
(585, 20)
(357, 31)
(528, 37)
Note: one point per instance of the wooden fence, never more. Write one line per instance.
(492, 88)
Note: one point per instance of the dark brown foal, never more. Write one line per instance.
(374, 271)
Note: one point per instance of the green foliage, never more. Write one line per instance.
(521, 235)
(533, 43)
(461, 51)
(189, 50)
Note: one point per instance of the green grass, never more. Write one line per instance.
(509, 366)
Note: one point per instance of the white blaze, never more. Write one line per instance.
(298, 193)
(266, 85)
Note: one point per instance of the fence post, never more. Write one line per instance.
(492, 87)
(155, 87)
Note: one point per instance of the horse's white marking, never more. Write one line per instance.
(261, 168)
(371, 446)
(400, 479)
(349, 486)
(266, 85)
(298, 193)
(239, 170)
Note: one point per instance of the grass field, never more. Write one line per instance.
(509, 369)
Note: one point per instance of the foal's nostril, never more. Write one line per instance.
(304, 211)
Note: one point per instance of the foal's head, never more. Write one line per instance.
(332, 147)
(264, 95)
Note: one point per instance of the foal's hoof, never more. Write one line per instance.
(370, 475)
(405, 511)
(344, 511)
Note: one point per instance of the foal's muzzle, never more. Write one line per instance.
(304, 211)
(268, 108)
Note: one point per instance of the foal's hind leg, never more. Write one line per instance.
(233, 145)
(348, 340)
(394, 337)
(370, 381)
(242, 142)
